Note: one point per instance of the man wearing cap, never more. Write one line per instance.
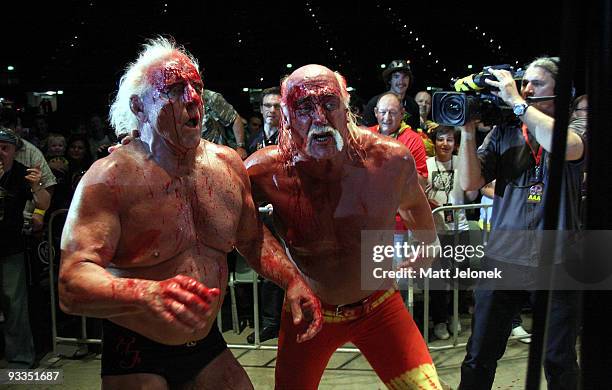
(398, 76)
(18, 184)
(30, 156)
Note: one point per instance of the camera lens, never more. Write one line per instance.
(452, 109)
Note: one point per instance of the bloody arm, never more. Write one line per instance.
(414, 207)
(89, 243)
(268, 258)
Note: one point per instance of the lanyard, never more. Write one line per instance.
(448, 184)
(537, 158)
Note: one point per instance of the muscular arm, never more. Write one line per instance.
(89, 243)
(414, 208)
(265, 254)
(259, 247)
(471, 178)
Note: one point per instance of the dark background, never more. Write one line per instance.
(81, 47)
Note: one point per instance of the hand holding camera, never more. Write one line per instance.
(505, 84)
(476, 97)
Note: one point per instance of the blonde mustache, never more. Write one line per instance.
(316, 130)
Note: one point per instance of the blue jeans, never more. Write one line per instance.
(491, 327)
(19, 345)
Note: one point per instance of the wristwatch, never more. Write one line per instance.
(519, 109)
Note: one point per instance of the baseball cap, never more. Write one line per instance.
(7, 135)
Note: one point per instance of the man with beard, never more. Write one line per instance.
(398, 77)
(148, 232)
(517, 156)
(328, 180)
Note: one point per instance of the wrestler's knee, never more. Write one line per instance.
(224, 372)
(134, 381)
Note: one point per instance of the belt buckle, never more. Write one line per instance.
(355, 308)
(339, 310)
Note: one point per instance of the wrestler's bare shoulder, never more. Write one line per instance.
(116, 168)
(264, 162)
(128, 162)
(221, 158)
(382, 150)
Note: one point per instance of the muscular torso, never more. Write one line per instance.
(170, 226)
(321, 220)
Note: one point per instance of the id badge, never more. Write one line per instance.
(449, 215)
(535, 194)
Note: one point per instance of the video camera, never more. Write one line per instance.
(473, 100)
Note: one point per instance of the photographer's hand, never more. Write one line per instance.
(471, 178)
(468, 130)
(506, 85)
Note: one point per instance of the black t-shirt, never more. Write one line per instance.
(506, 157)
(14, 192)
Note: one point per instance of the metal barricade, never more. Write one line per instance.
(484, 231)
(455, 325)
(409, 301)
(85, 340)
(257, 345)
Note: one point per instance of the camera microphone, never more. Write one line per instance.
(533, 99)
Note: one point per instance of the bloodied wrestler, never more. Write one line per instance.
(147, 235)
(329, 180)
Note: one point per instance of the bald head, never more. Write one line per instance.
(315, 112)
(423, 99)
(313, 80)
(389, 113)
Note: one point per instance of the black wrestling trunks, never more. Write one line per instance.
(126, 352)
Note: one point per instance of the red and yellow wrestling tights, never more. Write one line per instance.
(384, 332)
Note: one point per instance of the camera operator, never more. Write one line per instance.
(517, 155)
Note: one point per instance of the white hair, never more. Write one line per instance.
(134, 82)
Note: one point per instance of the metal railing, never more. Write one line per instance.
(454, 326)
